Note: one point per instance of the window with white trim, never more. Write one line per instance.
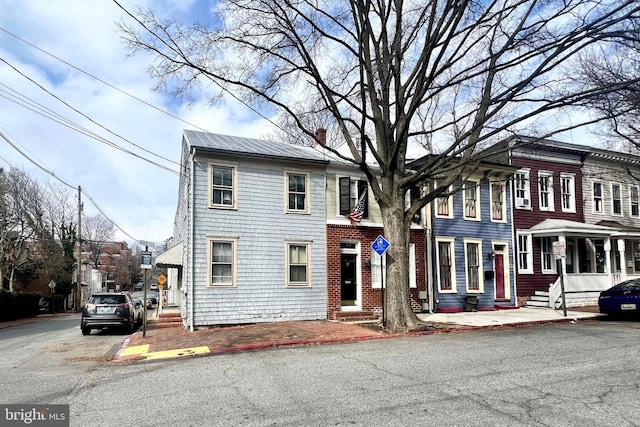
(377, 270)
(446, 264)
(545, 191)
(597, 197)
(444, 203)
(568, 192)
(471, 201)
(525, 254)
(298, 255)
(616, 199)
(473, 264)
(546, 253)
(350, 192)
(222, 262)
(633, 201)
(222, 188)
(297, 192)
(522, 189)
(498, 206)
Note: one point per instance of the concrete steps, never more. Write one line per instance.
(355, 316)
(538, 300)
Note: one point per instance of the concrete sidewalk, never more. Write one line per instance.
(162, 343)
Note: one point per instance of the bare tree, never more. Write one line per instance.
(472, 71)
(96, 231)
(615, 64)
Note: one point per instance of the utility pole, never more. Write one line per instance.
(79, 263)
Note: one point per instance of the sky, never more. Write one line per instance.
(137, 195)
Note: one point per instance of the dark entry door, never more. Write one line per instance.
(348, 283)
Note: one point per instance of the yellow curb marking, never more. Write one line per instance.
(135, 350)
(176, 353)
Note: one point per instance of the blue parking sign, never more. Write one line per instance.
(380, 245)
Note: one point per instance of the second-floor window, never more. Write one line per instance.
(352, 191)
(567, 184)
(545, 191)
(616, 199)
(471, 200)
(633, 193)
(522, 189)
(597, 197)
(297, 193)
(444, 203)
(498, 209)
(222, 188)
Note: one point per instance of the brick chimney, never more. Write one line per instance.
(321, 136)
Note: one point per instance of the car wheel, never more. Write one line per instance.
(85, 330)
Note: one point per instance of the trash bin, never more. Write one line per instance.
(471, 303)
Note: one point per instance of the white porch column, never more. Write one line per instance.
(623, 260)
(607, 260)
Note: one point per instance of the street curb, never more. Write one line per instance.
(309, 342)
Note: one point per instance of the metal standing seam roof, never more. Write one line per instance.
(172, 257)
(228, 144)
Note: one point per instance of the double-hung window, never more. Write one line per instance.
(616, 199)
(545, 191)
(525, 255)
(568, 192)
(444, 202)
(222, 262)
(298, 256)
(547, 259)
(633, 200)
(471, 201)
(379, 271)
(297, 192)
(597, 197)
(223, 184)
(445, 254)
(522, 189)
(498, 207)
(473, 259)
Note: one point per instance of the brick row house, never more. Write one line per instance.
(266, 231)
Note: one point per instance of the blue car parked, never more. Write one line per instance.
(623, 298)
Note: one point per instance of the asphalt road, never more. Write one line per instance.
(582, 374)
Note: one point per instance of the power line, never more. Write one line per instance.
(103, 81)
(96, 123)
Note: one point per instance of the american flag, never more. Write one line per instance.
(358, 210)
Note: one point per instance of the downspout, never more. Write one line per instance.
(192, 238)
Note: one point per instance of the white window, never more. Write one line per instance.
(444, 203)
(633, 196)
(446, 264)
(222, 188)
(471, 201)
(522, 189)
(473, 261)
(597, 197)
(498, 206)
(376, 269)
(616, 199)
(525, 255)
(545, 191)
(567, 184)
(298, 256)
(222, 262)
(547, 260)
(297, 192)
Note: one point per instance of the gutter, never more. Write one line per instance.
(192, 237)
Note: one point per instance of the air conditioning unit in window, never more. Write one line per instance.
(523, 203)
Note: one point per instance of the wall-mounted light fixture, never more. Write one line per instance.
(491, 255)
(367, 262)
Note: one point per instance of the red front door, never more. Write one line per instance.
(499, 265)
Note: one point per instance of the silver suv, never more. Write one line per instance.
(109, 310)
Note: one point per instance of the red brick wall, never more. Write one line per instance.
(371, 298)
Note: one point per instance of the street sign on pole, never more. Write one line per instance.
(380, 245)
(146, 260)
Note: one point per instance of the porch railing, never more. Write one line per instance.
(581, 289)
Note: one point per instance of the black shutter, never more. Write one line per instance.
(345, 195)
(362, 189)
